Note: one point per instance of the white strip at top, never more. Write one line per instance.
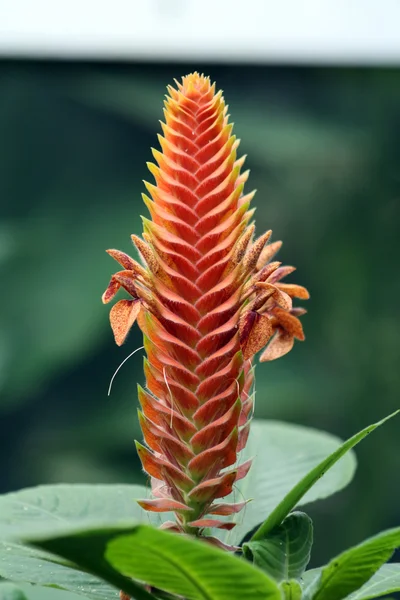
(258, 31)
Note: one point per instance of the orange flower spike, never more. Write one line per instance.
(207, 298)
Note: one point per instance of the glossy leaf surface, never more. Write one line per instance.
(285, 552)
(166, 560)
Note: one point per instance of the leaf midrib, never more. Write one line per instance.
(334, 573)
(372, 586)
(193, 580)
(40, 509)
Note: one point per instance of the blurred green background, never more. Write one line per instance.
(323, 146)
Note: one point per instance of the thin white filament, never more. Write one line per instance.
(123, 362)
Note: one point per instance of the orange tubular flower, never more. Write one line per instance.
(207, 298)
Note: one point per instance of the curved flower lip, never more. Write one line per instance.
(208, 296)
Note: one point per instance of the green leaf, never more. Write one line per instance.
(309, 580)
(299, 491)
(353, 568)
(171, 562)
(65, 504)
(291, 590)
(285, 552)
(385, 581)
(24, 564)
(9, 591)
(85, 545)
(187, 567)
(37, 592)
(58, 506)
(283, 453)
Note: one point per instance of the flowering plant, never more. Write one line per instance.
(208, 296)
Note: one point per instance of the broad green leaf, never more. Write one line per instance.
(291, 590)
(178, 565)
(37, 592)
(64, 504)
(9, 591)
(285, 553)
(56, 506)
(189, 568)
(308, 580)
(353, 568)
(283, 453)
(299, 491)
(385, 581)
(84, 546)
(24, 564)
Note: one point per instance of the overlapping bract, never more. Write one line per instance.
(207, 298)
